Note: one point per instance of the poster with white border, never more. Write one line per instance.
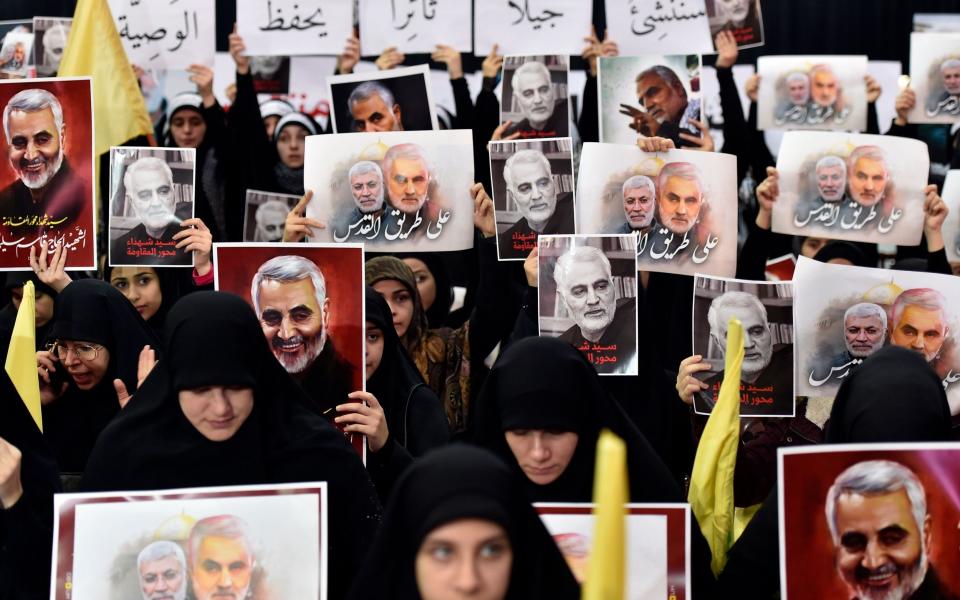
(165, 35)
(935, 77)
(812, 92)
(294, 27)
(414, 27)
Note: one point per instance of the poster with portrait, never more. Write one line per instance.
(16, 55)
(271, 74)
(406, 191)
(648, 95)
(766, 312)
(587, 296)
(812, 92)
(414, 27)
(166, 35)
(951, 226)
(294, 27)
(309, 301)
(656, 27)
(265, 215)
(935, 77)
(742, 18)
(393, 100)
(924, 22)
(843, 314)
(681, 205)
(533, 193)
(535, 96)
(175, 543)
(15, 26)
(869, 521)
(851, 186)
(658, 545)
(151, 195)
(49, 40)
(62, 212)
(531, 26)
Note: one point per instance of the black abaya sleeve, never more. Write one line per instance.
(462, 103)
(752, 262)
(753, 563)
(589, 122)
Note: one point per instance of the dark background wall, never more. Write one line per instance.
(878, 28)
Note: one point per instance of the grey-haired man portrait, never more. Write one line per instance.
(373, 108)
(162, 571)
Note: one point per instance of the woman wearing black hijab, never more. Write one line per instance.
(220, 410)
(44, 296)
(461, 503)
(541, 410)
(893, 397)
(98, 337)
(403, 418)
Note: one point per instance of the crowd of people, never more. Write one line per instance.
(150, 380)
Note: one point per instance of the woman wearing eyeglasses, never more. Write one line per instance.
(89, 365)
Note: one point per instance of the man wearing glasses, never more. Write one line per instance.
(532, 189)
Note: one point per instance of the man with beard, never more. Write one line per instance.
(919, 323)
(638, 205)
(270, 218)
(948, 101)
(680, 200)
(665, 109)
(798, 94)
(163, 571)
(47, 193)
(289, 295)
(604, 328)
(864, 331)
(867, 176)
(882, 533)
(365, 219)
(532, 189)
(543, 116)
(830, 175)
(766, 376)
(373, 108)
(409, 180)
(221, 559)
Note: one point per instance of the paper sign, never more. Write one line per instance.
(165, 35)
(812, 92)
(292, 27)
(935, 77)
(531, 26)
(658, 27)
(951, 227)
(413, 26)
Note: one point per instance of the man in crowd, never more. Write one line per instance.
(531, 187)
(163, 571)
(364, 219)
(604, 329)
(830, 174)
(289, 295)
(148, 187)
(270, 218)
(665, 111)
(46, 185)
(638, 204)
(882, 533)
(373, 108)
(766, 375)
(221, 559)
(543, 115)
(864, 331)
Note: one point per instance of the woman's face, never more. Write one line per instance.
(85, 362)
(811, 246)
(467, 559)
(290, 145)
(426, 284)
(216, 411)
(542, 455)
(42, 305)
(374, 352)
(141, 286)
(400, 302)
(187, 128)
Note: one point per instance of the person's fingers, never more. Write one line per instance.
(301, 206)
(694, 139)
(374, 404)
(33, 259)
(315, 223)
(62, 258)
(42, 260)
(122, 395)
(691, 360)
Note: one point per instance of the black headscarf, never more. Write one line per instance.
(172, 286)
(214, 338)
(90, 310)
(544, 383)
(399, 387)
(845, 250)
(462, 482)
(893, 397)
(8, 314)
(439, 312)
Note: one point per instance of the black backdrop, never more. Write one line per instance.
(878, 28)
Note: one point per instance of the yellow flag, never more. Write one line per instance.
(21, 363)
(711, 484)
(94, 49)
(606, 571)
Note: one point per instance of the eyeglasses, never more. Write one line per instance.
(84, 352)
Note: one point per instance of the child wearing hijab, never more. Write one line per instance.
(462, 504)
(400, 416)
(97, 338)
(220, 410)
(893, 397)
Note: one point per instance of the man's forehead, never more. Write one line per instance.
(371, 176)
(638, 191)
(287, 294)
(373, 103)
(160, 564)
(149, 178)
(530, 79)
(837, 169)
(869, 164)
(873, 512)
(650, 80)
(224, 547)
(529, 170)
(863, 319)
(37, 120)
(919, 313)
(685, 186)
(407, 164)
(748, 315)
(585, 271)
